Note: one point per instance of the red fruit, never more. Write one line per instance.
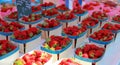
(85, 55)
(58, 48)
(78, 51)
(99, 53)
(38, 63)
(3, 52)
(91, 53)
(38, 53)
(86, 48)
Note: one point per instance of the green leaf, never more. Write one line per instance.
(48, 40)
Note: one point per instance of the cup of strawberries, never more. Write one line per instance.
(68, 19)
(77, 33)
(116, 19)
(50, 27)
(31, 19)
(8, 52)
(62, 8)
(47, 5)
(102, 16)
(35, 57)
(51, 13)
(7, 29)
(91, 23)
(102, 37)
(89, 53)
(79, 11)
(12, 16)
(36, 9)
(27, 39)
(58, 46)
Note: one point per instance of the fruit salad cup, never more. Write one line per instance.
(58, 46)
(92, 25)
(50, 27)
(31, 20)
(76, 33)
(28, 39)
(89, 54)
(8, 52)
(67, 61)
(67, 19)
(7, 29)
(103, 37)
(35, 57)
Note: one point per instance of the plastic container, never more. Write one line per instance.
(10, 57)
(46, 32)
(58, 54)
(87, 61)
(29, 44)
(31, 24)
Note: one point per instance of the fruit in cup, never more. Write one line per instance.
(116, 18)
(78, 10)
(88, 7)
(74, 30)
(99, 15)
(89, 22)
(56, 42)
(31, 18)
(46, 4)
(62, 7)
(5, 8)
(49, 23)
(13, 15)
(90, 51)
(37, 57)
(36, 8)
(2, 21)
(50, 12)
(66, 16)
(10, 27)
(26, 34)
(6, 47)
(102, 35)
(111, 27)
(68, 62)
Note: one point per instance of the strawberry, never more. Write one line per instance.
(85, 55)
(99, 15)
(58, 48)
(74, 30)
(49, 23)
(13, 15)
(26, 34)
(56, 42)
(46, 4)
(62, 7)
(31, 18)
(102, 35)
(3, 52)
